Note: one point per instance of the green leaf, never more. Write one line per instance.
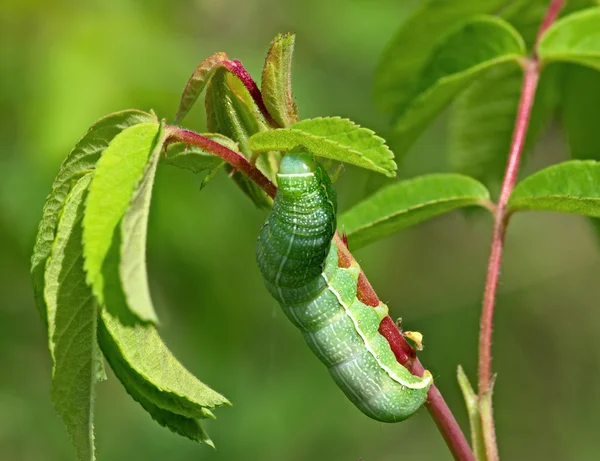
(117, 173)
(80, 160)
(527, 15)
(580, 114)
(401, 64)
(194, 158)
(482, 123)
(334, 138)
(570, 187)
(231, 111)
(134, 228)
(200, 77)
(138, 347)
(276, 82)
(407, 203)
(463, 56)
(146, 394)
(483, 119)
(72, 314)
(472, 403)
(575, 38)
(198, 160)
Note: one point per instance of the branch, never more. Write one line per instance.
(403, 351)
(530, 81)
(238, 161)
(551, 15)
(485, 341)
(405, 354)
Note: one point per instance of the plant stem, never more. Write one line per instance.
(405, 354)
(530, 81)
(551, 14)
(489, 297)
(485, 340)
(238, 161)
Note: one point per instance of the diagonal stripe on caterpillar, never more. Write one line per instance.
(299, 264)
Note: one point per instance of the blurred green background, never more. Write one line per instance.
(63, 65)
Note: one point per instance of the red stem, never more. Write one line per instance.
(528, 90)
(530, 81)
(237, 68)
(551, 15)
(485, 339)
(238, 161)
(405, 354)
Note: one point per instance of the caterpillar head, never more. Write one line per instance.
(299, 173)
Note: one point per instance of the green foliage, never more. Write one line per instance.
(525, 16)
(569, 187)
(145, 366)
(407, 203)
(182, 425)
(401, 64)
(575, 38)
(134, 227)
(482, 123)
(334, 138)
(231, 111)
(117, 174)
(443, 49)
(198, 160)
(80, 160)
(465, 54)
(195, 85)
(72, 314)
(191, 158)
(276, 81)
(109, 225)
(472, 403)
(580, 114)
(483, 120)
(166, 382)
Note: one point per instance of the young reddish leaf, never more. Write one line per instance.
(197, 82)
(276, 82)
(230, 111)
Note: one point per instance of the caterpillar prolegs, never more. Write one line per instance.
(299, 264)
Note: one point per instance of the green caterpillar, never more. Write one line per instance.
(299, 264)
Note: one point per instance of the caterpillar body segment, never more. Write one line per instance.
(299, 264)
